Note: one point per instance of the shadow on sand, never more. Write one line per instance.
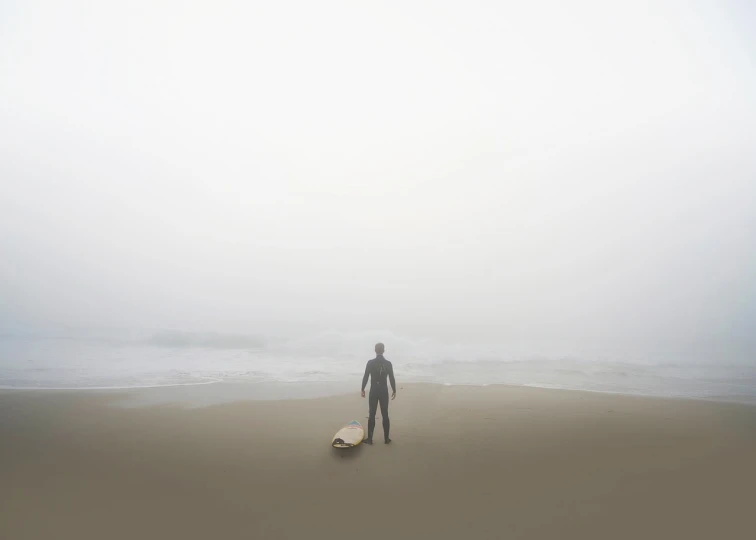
(347, 454)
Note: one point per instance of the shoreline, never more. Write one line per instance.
(302, 390)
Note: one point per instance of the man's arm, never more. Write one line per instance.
(365, 377)
(391, 378)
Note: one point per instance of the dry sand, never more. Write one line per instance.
(494, 462)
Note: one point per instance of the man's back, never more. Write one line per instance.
(378, 370)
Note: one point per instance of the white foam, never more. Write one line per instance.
(47, 364)
(132, 387)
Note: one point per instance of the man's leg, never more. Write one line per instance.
(373, 405)
(384, 399)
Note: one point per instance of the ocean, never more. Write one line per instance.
(181, 359)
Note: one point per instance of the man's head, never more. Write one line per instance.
(379, 348)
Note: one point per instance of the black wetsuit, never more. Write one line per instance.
(379, 369)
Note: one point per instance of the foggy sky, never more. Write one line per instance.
(566, 176)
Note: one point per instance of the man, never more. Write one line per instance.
(378, 369)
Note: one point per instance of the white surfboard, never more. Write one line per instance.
(348, 436)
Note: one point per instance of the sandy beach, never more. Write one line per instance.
(466, 462)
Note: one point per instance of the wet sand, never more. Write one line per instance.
(466, 462)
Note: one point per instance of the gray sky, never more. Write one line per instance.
(564, 175)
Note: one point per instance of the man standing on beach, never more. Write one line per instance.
(378, 369)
